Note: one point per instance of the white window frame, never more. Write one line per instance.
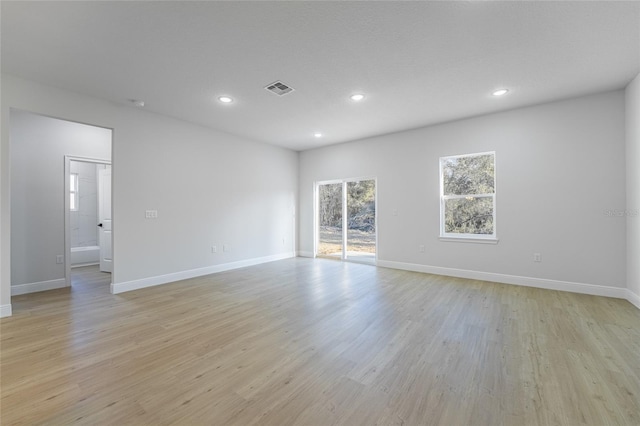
(457, 237)
(73, 178)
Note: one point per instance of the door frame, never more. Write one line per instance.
(316, 214)
(67, 209)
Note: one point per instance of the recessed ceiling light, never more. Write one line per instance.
(317, 135)
(500, 92)
(357, 97)
(225, 99)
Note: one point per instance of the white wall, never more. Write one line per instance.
(559, 167)
(632, 96)
(5, 210)
(207, 186)
(38, 147)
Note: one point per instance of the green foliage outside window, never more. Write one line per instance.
(468, 191)
(360, 205)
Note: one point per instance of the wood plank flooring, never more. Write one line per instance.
(320, 342)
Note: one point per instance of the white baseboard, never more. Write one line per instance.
(19, 289)
(596, 290)
(192, 273)
(5, 311)
(302, 253)
(633, 298)
(82, 265)
(84, 255)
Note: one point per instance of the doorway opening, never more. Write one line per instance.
(346, 220)
(41, 150)
(88, 239)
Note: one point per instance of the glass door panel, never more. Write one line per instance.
(330, 241)
(361, 221)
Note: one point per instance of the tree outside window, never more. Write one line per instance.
(467, 196)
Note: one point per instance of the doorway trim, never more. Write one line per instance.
(316, 214)
(67, 209)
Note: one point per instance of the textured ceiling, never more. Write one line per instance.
(418, 63)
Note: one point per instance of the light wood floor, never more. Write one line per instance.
(320, 342)
(87, 278)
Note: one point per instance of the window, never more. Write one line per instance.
(468, 196)
(73, 191)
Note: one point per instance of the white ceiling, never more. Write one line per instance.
(418, 63)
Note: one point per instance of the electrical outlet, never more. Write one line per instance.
(59, 259)
(226, 247)
(537, 257)
(421, 248)
(214, 249)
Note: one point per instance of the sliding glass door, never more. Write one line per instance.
(347, 220)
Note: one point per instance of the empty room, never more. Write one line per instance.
(320, 213)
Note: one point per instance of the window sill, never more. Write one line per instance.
(469, 240)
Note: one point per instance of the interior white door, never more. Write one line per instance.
(104, 218)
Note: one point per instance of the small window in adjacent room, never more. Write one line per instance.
(468, 197)
(73, 191)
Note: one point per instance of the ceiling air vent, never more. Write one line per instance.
(279, 88)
